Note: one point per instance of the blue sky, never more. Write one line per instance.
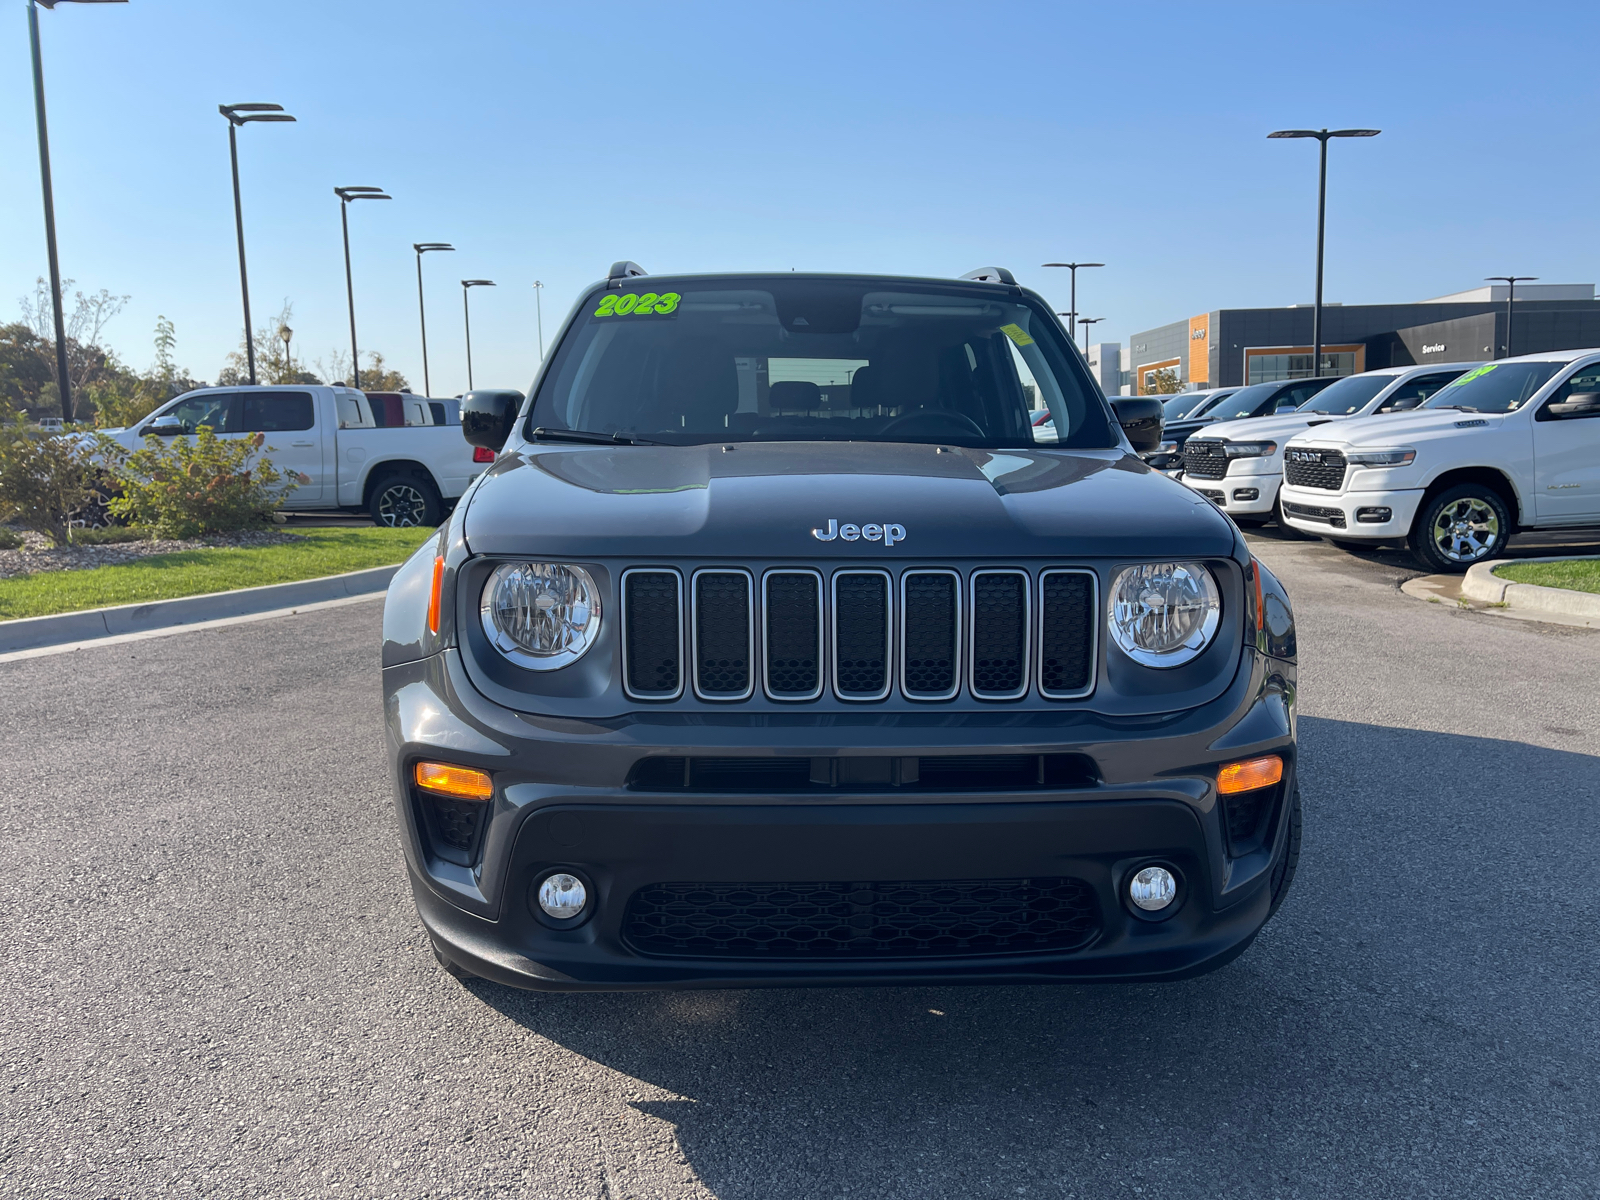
(547, 140)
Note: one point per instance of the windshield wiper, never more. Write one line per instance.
(588, 437)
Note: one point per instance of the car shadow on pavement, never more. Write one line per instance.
(1420, 1018)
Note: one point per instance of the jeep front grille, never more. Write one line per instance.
(860, 633)
(1322, 469)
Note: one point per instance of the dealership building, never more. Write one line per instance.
(1234, 346)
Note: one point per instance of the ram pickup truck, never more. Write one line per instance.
(1238, 465)
(776, 647)
(1508, 446)
(327, 438)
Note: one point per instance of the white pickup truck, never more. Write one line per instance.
(1510, 445)
(403, 474)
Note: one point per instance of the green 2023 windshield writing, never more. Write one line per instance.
(649, 304)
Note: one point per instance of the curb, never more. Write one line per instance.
(30, 633)
(1481, 583)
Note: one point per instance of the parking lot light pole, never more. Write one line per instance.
(63, 383)
(1086, 322)
(1073, 267)
(1511, 297)
(244, 114)
(1322, 136)
(466, 313)
(346, 195)
(422, 248)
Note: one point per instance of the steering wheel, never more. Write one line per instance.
(935, 422)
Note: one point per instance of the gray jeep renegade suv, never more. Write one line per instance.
(786, 643)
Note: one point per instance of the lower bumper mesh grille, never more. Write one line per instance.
(1312, 512)
(861, 920)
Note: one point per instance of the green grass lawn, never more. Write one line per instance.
(196, 572)
(1581, 575)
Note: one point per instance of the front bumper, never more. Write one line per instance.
(563, 803)
(1239, 495)
(1340, 515)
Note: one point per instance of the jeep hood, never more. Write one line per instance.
(762, 500)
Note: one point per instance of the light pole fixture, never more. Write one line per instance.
(538, 301)
(63, 383)
(1511, 297)
(244, 114)
(1073, 267)
(1322, 136)
(1087, 321)
(286, 333)
(466, 313)
(422, 248)
(346, 195)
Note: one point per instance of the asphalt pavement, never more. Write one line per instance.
(214, 983)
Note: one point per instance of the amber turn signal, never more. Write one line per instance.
(461, 782)
(1250, 774)
(433, 599)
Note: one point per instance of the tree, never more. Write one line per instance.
(274, 357)
(27, 364)
(375, 377)
(1162, 382)
(85, 323)
(121, 398)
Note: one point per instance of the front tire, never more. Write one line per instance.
(1460, 527)
(403, 501)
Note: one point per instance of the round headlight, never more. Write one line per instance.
(541, 615)
(1164, 614)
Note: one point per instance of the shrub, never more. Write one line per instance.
(44, 480)
(112, 535)
(184, 489)
(8, 539)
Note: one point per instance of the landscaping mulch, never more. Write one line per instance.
(37, 555)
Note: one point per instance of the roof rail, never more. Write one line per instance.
(623, 269)
(991, 275)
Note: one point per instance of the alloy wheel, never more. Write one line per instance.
(401, 506)
(1466, 530)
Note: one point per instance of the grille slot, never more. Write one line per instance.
(999, 638)
(957, 918)
(792, 602)
(1204, 460)
(930, 634)
(929, 773)
(1068, 627)
(1314, 468)
(724, 637)
(861, 633)
(1311, 512)
(652, 634)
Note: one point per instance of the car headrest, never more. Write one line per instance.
(794, 396)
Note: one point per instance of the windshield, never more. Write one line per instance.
(1242, 403)
(808, 359)
(1494, 387)
(1349, 395)
(1182, 404)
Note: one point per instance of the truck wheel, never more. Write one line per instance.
(402, 501)
(1460, 526)
(1283, 873)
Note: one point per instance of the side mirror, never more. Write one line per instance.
(1579, 404)
(1287, 405)
(488, 415)
(163, 426)
(1141, 419)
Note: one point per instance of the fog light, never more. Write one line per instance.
(562, 896)
(1374, 516)
(1246, 493)
(1153, 888)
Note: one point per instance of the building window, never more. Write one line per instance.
(1160, 378)
(1276, 364)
